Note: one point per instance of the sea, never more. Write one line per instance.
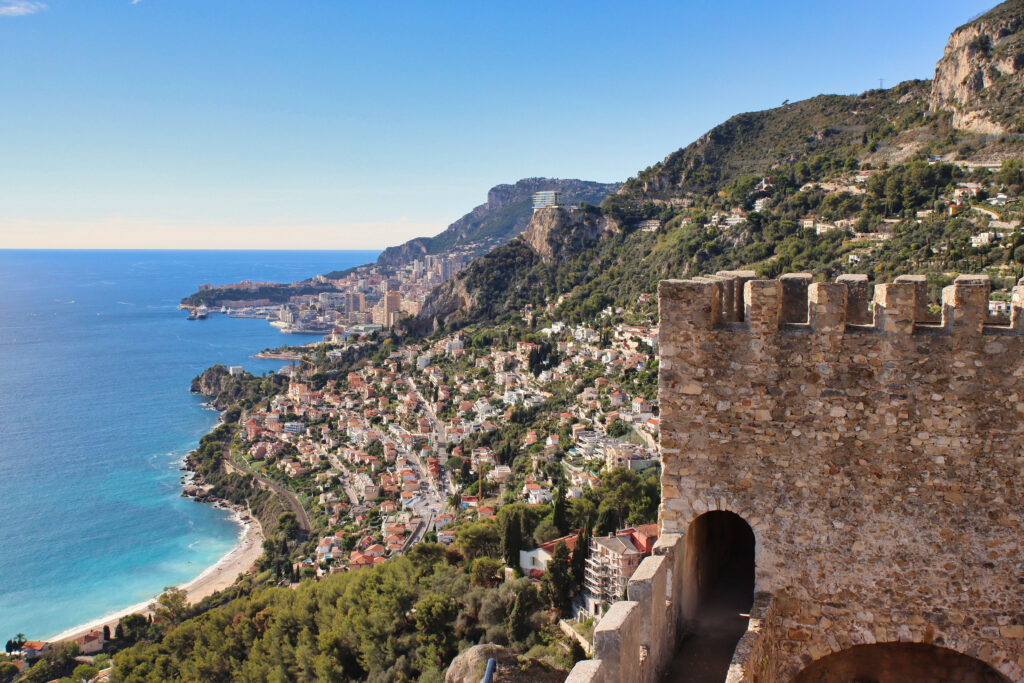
(96, 416)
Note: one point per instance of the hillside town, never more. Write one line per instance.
(405, 447)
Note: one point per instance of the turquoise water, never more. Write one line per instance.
(96, 414)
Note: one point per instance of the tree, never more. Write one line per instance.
(607, 520)
(618, 429)
(511, 539)
(519, 617)
(84, 672)
(479, 539)
(132, 627)
(288, 524)
(172, 605)
(545, 531)
(556, 582)
(579, 558)
(15, 643)
(435, 616)
(7, 671)
(558, 513)
(484, 571)
(106, 633)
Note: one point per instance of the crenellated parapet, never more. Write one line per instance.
(736, 301)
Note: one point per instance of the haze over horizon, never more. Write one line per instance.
(151, 124)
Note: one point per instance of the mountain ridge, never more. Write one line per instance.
(899, 133)
(502, 217)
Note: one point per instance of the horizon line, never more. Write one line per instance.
(127, 249)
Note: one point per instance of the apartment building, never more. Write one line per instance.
(613, 559)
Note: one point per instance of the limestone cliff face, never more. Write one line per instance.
(212, 382)
(555, 231)
(980, 78)
(443, 302)
(503, 279)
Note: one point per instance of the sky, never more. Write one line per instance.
(335, 124)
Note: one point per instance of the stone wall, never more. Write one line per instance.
(878, 459)
(879, 464)
(635, 639)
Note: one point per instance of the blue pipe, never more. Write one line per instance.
(491, 663)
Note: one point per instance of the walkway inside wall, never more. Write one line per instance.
(718, 590)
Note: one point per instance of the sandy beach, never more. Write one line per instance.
(213, 579)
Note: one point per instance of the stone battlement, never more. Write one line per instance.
(735, 300)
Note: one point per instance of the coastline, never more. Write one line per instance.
(223, 574)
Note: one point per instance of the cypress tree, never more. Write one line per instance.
(557, 581)
(558, 514)
(579, 558)
(519, 618)
(511, 539)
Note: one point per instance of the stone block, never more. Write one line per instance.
(689, 304)
(965, 305)
(894, 308)
(588, 671)
(617, 642)
(826, 303)
(920, 284)
(762, 305)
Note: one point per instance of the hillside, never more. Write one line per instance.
(757, 141)
(504, 216)
(874, 175)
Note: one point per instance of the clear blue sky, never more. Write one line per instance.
(344, 124)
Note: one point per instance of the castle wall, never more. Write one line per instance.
(879, 464)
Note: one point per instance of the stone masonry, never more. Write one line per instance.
(876, 452)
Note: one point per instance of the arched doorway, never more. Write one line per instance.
(718, 590)
(898, 662)
(719, 572)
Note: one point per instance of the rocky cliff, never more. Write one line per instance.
(554, 231)
(212, 382)
(504, 216)
(496, 285)
(980, 78)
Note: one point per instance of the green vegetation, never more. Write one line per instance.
(400, 621)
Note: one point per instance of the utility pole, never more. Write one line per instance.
(881, 84)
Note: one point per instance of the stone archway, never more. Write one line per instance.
(718, 591)
(897, 663)
(719, 567)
